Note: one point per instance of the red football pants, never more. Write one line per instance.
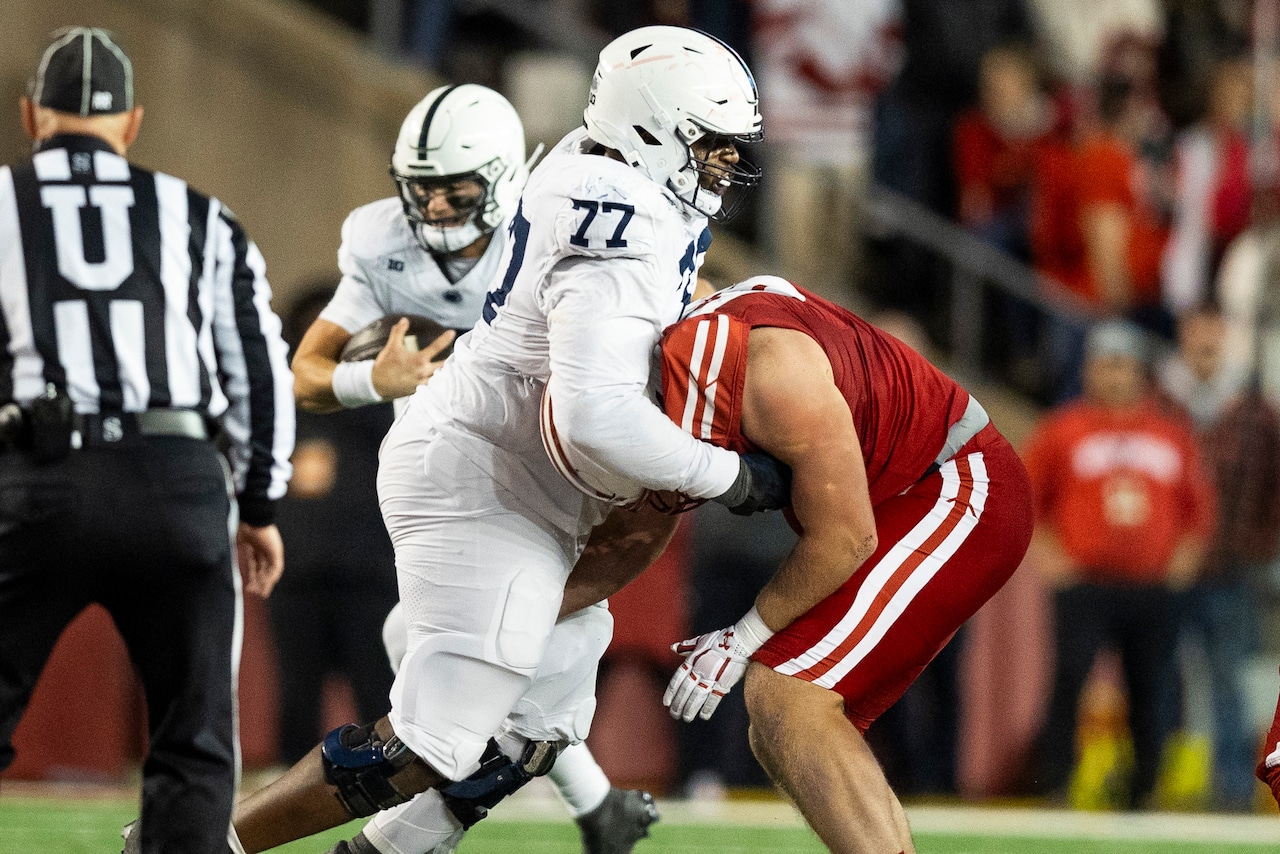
(946, 545)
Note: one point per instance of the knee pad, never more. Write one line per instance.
(471, 799)
(360, 766)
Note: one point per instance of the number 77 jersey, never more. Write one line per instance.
(582, 211)
(599, 260)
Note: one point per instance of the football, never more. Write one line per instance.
(582, 473)
(368, 341)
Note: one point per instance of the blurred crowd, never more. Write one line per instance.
(1125, 151)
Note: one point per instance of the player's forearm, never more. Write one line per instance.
(313, 384)
(600, 358)
(620, 548)
(829, 493)
(621, 430)
(817, 567)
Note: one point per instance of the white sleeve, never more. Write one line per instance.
(354, 305)
(602, 327)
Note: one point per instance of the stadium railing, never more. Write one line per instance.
(970, 276)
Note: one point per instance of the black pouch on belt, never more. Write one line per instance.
(49, 420)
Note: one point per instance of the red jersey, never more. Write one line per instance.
(1119, 489)
(951, 499)
(1101, 171)
(903, 407)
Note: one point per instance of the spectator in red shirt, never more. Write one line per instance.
(1120, 216)
(996, 145)
(1099, 223)
(995, 148)
(1123, 511)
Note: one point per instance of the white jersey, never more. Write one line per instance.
(599, 261)
(385, 271)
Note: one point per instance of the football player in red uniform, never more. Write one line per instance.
(1269, 767)
(912, 511)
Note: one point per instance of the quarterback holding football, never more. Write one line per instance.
(459, 165)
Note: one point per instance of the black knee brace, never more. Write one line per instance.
(361, 766)
(471, 799)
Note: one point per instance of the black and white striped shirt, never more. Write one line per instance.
(133, 291)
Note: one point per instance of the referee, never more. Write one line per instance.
(134, 320)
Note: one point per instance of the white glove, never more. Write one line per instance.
(713, 664)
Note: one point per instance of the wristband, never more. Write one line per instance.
(739, 490)
(353, 384)
(750, 632)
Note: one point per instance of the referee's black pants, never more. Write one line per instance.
(141, 529)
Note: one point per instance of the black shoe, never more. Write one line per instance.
(132, 833)
(621, 820)
(358, 844)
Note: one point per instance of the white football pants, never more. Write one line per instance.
(481, 577)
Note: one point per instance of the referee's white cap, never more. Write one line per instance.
(84, 72)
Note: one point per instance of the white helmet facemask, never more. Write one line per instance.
(687, 183)
(656, 91)
(467, 198)
(458, 134)
(445, 240)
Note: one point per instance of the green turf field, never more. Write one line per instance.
(72, 825)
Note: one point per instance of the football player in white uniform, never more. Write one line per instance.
(459, 165)
(602, 253)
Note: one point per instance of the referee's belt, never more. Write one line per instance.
(110, 428)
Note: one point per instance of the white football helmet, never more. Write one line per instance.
(460, 132)
(658, 89)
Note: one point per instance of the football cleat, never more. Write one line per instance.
(358, 844)
(621, 820)
(132, 838)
